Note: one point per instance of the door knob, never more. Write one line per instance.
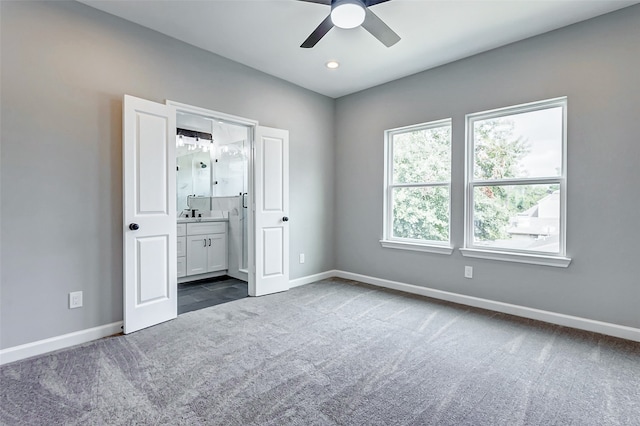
(285, 219)
(134, 226)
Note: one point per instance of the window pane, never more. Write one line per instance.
(520, 217)
(421, 213)
(518, 146)
(422, 156)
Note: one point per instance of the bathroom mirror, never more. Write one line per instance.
(193, 174)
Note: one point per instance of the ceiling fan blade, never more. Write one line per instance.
(372, 2)
(318, 33)
(327, 2)
(379, 29)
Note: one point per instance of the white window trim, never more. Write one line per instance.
(533, 259)
(522, 256)
(416, 246)
(388, 241)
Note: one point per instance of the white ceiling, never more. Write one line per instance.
(266, 34)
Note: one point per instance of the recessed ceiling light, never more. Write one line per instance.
(332, 65)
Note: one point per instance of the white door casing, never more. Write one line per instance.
(149, 179)
(270, 210)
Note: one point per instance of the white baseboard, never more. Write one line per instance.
(198, 277)
(609, 329)
(40, 347)
(59, 342)
(311, 278)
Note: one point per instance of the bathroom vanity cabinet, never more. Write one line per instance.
(203, 247)
(182, 249)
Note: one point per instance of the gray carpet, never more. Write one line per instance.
(333, 352)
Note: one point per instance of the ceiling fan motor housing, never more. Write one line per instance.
(347, 13)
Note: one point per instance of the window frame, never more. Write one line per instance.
(388, 240)
(470, 249)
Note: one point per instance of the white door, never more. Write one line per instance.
(271, 210)
(150, 277)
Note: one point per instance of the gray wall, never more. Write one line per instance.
(596, 64)
(65, 68)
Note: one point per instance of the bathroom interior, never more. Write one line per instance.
(212, 184)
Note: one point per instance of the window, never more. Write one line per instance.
(516, 184)
(417, 189)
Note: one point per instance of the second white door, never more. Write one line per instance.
(270, 212)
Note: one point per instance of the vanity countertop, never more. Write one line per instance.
(202, 219)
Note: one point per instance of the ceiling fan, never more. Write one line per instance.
(351, 14)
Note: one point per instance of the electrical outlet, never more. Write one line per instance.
(468, 271)
(75, 299)
(301, 257)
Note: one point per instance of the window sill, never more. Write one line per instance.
(533, 259)
(428, 248)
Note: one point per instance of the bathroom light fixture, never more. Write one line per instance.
(347, 13)
(332, 65)
(194, 139)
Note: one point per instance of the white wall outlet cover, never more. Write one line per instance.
(468, 271)
(301, 257)
(75, 299)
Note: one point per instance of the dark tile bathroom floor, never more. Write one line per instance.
(204, 293)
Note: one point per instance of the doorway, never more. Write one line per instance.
(151, 247)
(212, 187)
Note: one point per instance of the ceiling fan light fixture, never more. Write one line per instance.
(347, 13)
